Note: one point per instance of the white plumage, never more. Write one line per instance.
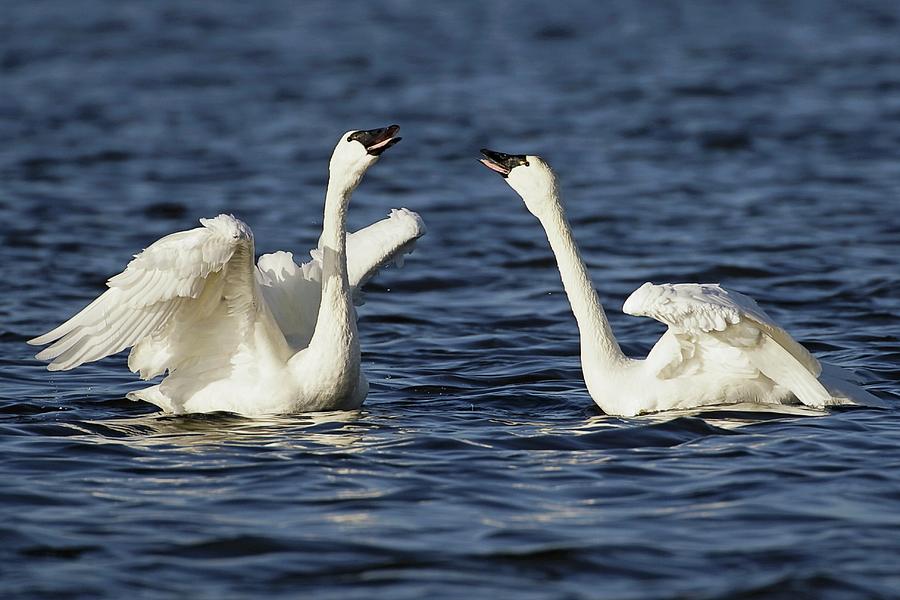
(703, 316)
(293, 291)
(178, 280)
(720, 347)
(236, 336)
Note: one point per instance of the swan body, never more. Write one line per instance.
(720, 346)
(255, 339)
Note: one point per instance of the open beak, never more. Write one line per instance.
(377, 141)
(500, 162)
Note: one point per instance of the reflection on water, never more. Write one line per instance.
(198, 432)
(746, 143)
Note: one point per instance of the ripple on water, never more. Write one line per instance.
(750, 145)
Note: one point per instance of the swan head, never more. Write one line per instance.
(530, 176)
(357, 150)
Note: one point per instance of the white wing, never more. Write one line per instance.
(378, 245)
(293, 291)
(163, 301)
(699, 315)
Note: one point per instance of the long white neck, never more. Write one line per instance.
(600, 352)
(336, 323)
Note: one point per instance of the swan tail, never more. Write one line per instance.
(845, 389)
(154, 395)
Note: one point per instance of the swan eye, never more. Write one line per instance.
(527, 164)
(350, 138)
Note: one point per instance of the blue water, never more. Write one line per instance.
(755, 144)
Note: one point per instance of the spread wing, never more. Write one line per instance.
(189, 298)
(380, 244)
(704, 317)
(293, 291)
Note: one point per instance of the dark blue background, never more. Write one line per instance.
(754, 144)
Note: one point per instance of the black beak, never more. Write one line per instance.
(502, 163)
(376, 141)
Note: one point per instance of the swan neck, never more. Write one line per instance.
(599, 348)
(334, 224)
(336, 323)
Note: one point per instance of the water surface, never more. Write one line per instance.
(754, 145)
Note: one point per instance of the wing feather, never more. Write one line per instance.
(80, 319)
(161, 291)
(106, 342)
(710, 307)
(778, 364)
(697, 312)
(380, 244)
(293, 292)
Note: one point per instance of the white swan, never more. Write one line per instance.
(277, 338)
(720, 348)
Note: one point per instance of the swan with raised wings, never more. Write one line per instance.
(233, 336)
(720, 347)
